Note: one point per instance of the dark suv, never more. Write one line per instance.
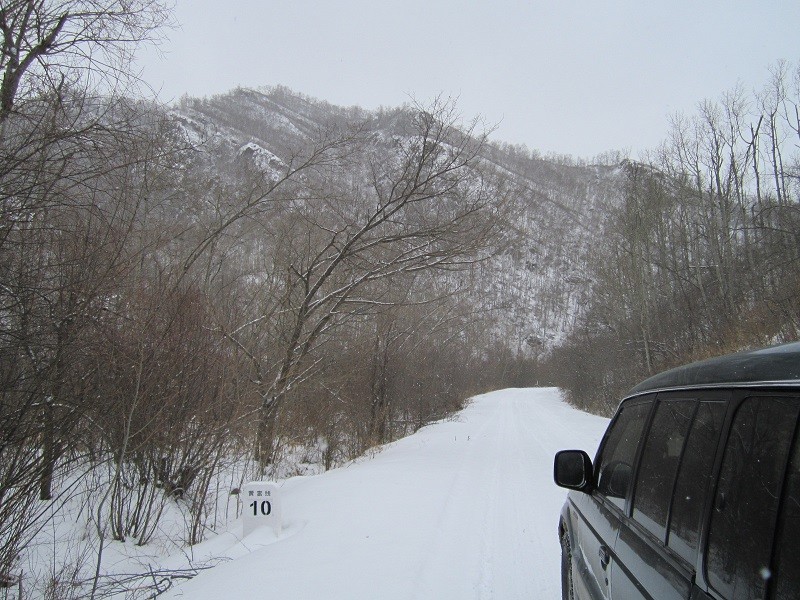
(695, 489)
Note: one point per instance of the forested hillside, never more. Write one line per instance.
(611, 271)
(702, 254)
(526, 293)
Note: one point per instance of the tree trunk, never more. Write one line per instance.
(265, 446)
(48, 453)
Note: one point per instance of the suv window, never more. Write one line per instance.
(615, 465)
(787, 565)
(694, 477)
(747, 497)
(659, 465)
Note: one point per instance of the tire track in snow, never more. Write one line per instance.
(512, 557)
(451, 555)
(488, 548)
(500, 480)
(535, 538)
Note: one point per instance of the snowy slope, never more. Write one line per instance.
(542, 282)
(462, 509)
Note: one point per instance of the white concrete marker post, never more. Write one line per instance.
(261, 506)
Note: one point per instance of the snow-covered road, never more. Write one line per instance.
(462, 509)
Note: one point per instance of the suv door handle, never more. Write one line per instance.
(605, 557)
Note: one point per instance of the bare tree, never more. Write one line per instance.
(63, 233)
(425, 202)
(80, 43)
(704, 252)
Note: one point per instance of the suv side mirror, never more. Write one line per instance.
(572, 469)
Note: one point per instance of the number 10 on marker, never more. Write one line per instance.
(264, 507)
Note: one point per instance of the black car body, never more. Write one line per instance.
(695, 489)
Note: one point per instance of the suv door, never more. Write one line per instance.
(596, 517)
(656, 550)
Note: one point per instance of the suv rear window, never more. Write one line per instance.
(660, 458)
(748, 496)
(787, 565)
(694, 477)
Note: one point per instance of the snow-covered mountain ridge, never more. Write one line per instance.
(537, 286)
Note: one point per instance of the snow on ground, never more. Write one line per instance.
(464, 508)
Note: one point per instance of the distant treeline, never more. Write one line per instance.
(702, 256)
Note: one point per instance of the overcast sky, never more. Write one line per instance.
(566, 76)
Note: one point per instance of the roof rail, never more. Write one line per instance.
(776, 364)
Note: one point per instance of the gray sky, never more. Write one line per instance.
(566, 76)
